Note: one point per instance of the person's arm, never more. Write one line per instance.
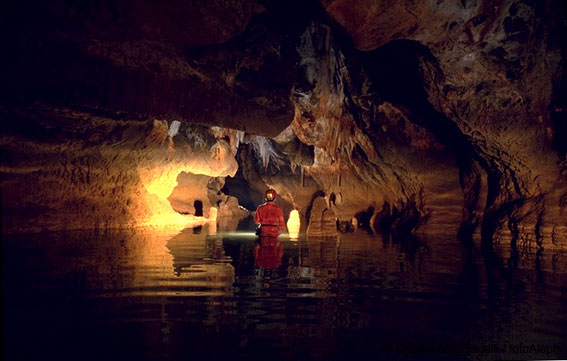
(257, 216)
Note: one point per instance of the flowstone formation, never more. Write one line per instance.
(397, 116)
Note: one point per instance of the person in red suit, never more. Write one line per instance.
(269, 216)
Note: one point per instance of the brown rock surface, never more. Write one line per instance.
(367, 150)
(322, 220)
(196, 194)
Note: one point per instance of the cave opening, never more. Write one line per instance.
(363, 218)
(261, 165)
(396, 72)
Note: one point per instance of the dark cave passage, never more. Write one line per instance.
(398, 71)
(240, 188)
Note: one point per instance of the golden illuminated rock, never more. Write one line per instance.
(293, 224)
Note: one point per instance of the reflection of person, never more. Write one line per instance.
(268, 254)
(269, 216)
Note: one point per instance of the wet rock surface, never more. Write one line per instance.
(444, 116)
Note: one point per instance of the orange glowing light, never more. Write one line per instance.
(293, 224)
(160, 180)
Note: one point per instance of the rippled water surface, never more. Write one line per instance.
(193, 295)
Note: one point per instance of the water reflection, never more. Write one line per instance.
(268, 253)
(200, 264)
(209, 293)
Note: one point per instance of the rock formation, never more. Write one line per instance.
(450, 112)
(492, 71)
(322, 219)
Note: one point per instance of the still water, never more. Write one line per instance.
(195, 295)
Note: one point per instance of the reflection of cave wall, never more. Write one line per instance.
(450, 113)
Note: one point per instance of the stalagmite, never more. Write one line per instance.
(293, 224)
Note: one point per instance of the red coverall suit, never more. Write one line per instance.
(270, 216)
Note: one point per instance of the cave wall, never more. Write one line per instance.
(493, 71)
(90, 89)
(197, 194)
(60, 173)
(368, 151)
(427, 116)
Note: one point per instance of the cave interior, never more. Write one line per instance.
(417, 119)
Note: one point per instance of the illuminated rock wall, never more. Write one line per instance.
(60, 173)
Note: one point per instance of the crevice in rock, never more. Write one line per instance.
(198, 205)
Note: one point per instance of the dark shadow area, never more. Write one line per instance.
(73, 73)
(558, 106)
(198, 208)
(237, 186)
(383, 218)
(363, 217)
(396, 70)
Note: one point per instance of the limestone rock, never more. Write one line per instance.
(231, 208)
(322, 221)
